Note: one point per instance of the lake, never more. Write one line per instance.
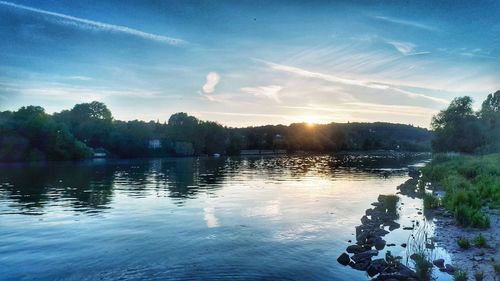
(239, 218)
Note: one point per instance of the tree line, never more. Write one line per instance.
(459, 128)
(31, 134)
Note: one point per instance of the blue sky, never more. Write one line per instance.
(250, 62)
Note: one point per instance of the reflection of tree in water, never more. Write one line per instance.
(90, 187)
(187, 177)
(31, 188)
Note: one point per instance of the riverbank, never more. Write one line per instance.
(467, 191)
(427, 250)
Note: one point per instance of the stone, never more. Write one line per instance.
(403, 245)
(380, 244)
(376, 266)
(355, 249)
(344, 259)
(364, 256)
(364, 220)
(361, 265)
(439, 263)
(394, 225)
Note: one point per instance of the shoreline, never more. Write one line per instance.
(444, 235)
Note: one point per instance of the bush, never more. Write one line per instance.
(480, 241)
(431, 201)
(463, 243)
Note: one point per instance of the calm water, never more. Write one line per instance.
(270, 218)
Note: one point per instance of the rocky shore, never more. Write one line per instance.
(382, 219)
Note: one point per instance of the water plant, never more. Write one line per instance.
(420, 253)
(463, 243)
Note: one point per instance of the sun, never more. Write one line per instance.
(310, 121)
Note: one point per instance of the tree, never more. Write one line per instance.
(457, 128)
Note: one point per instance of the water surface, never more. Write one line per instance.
(254, 218)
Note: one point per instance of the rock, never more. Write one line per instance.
(380, 232)
(394, 225)
(361, 265)
(364, 256)
(419, 212)
(414, 256)
(391, 245)
(439, 263)
(344, 259)
(377, 266)
(364, 220)
(379, 244)
(405, 271)
(355, 249)
(408, 228)
(403, 245)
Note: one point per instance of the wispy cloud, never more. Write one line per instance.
(61, 91)
(406, 48)
(270, 92)
(96, 25)
(213, 79)
(407, 23)
(353, 82)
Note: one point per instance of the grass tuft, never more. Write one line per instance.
(480, 241)
(460, 275)
(431, 201)
(479, 276)
(463, 243)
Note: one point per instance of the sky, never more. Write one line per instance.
(248, 63)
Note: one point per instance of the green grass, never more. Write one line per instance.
(463, 243)
(470, 182)
(460, 275)
(480, 241)
(431, 201)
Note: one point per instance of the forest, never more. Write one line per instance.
(31, 134)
